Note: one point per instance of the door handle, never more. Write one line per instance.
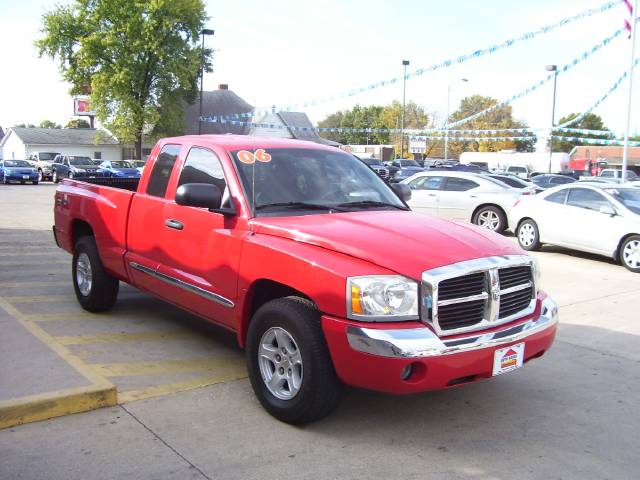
(175, 224)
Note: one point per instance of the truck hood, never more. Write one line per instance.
(404, 242)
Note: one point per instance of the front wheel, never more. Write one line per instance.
(95, 289)
(490, 217)
(54, 177)
(289, 363)
(35, 182)
(630, 253)
(528, 235)
(40, 176)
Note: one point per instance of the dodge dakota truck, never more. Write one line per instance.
(319, 267)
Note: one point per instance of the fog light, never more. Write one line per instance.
(406, 372)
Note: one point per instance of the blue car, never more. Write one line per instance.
(119, 168)
(18, 171)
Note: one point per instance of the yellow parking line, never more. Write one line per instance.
(29, 285)
(81, 315)
(220, 364)
(123, 337)
(38, 298)
(166, 389)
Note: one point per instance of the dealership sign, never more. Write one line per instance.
(417, 144)
(82, 107)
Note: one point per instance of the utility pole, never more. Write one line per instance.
(554, 69)
(404, 95)
(205, 31)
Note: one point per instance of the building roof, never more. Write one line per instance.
(300, 119)
(607, 152)
(1, 134)
(62, 136)
(218, 103)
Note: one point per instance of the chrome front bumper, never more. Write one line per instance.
(422, 342)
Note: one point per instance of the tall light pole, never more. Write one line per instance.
(446, 120)
(404, 96)
(554, 69)
(205, 31)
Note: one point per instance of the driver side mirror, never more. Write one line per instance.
(608, 210)
(402, 190)
(203, 195)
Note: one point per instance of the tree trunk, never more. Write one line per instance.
(138, 147)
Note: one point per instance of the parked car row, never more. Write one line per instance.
(19, 171)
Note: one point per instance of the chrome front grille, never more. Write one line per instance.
(478, 294)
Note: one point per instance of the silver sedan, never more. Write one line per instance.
(473, 197)
(598, 218)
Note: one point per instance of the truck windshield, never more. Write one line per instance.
(285, 181)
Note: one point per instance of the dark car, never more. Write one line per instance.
(551, 180)
(404, 168)
(516, 182)
(377, 166)
(74, 166)
(18, 171)
(119, 168)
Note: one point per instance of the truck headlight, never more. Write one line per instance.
(382, 298)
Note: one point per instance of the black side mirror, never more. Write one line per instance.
(402, 190)
(204, 195)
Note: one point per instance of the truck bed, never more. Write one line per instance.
(130, 184)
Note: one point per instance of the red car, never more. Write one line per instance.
(319, 267)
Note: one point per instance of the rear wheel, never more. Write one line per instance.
(95, 289)
(490, 217)
(630, 253)
(528, 235)
(289, 363)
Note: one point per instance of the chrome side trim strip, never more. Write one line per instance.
(422, 342)
(183, 285)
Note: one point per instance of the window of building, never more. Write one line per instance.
(97, 155)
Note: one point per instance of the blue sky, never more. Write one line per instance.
(284, 52)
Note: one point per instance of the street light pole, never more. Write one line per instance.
(554, 69)
(404, 96)
(446, 120)
(205, 31)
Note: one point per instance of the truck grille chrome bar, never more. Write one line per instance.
(478, 294)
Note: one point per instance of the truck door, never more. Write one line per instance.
(201, 249)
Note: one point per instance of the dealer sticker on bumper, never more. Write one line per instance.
(507, 359)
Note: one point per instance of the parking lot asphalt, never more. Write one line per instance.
(185, 409)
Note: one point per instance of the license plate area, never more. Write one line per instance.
(508, 359)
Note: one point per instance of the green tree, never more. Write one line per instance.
(25, 125)
(500, 118)
(590, 121)
(49, 124)
(135, 58)
(78, 123)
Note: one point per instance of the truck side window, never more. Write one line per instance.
(162, 170)
(204, 166)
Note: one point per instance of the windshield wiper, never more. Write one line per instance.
(371, 203)
(300, 205)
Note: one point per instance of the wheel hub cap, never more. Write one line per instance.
(280, 363)
(84, 277)
(489, 220)
(631, 254)
(527, 235)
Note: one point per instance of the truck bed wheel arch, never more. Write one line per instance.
(260, 292)
(80, 228)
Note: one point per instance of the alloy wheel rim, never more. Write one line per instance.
(55, 175)
(489, 219)
(527, 235)
(631, 254)
(280, 363)
(84, 275)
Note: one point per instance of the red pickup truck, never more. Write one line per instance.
(317, 265)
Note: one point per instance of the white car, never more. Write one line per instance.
(598, 218)
(472, 197)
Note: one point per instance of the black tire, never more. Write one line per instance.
(320, 391)
(631, 264)
(40, 176)
(528, 235)
(490, 210)
(35, 182)
(103, 290)
(54, 177)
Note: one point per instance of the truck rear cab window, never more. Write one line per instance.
(162, 170)
(204, 166)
